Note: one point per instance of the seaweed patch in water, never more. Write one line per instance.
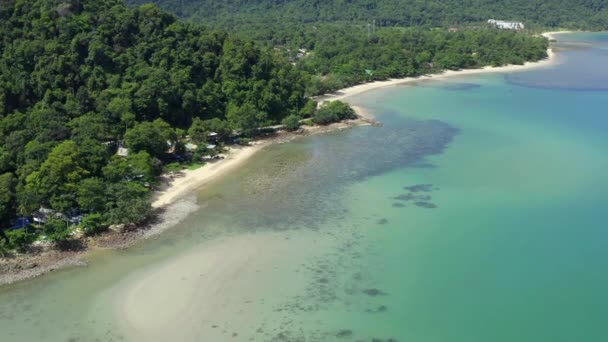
(411, 197)
(398, 205)
(426, 205)
(405, 197)
(374, 292)
(382, 221)
(419, 188)
(344, 333)
(381, 308)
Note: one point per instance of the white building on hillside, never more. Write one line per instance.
(507, 25)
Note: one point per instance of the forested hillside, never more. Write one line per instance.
(79, 76)
(242, 15)
(345, 55)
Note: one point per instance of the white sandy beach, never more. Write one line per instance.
(188, 180)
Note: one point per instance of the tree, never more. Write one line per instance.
(91, 194)
(291, 122)
(57, 231)
(197, 131)
(309, 109)
(245, 118)
(128, 203)
(92, 224)
(21, 239)
(58, 177)
(7, 197)
(152, 137)
(5, 160)
(334, 111)
(89, 127)
(325, 117)
(221, 127)
(137, 167)
(145, 137)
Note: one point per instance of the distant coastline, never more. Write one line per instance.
(346, 94)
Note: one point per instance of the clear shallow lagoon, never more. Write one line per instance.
(506, 240)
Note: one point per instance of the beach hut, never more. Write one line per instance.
(42, 215)
(190, 147)
(213, 137)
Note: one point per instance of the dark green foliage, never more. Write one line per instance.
(92, 224)
(332, 112)
(324, 117)
(246, 118)
(91, 194)
(291, 122)
(152, 137)
(346, 56)
(309, 109)
(7, 198)
(21, 239)
(137, 167)
(342, 110)
(127, 203)
(197, 131)
(252, 15)
(57, 231)
(342, 50)
(221, 127)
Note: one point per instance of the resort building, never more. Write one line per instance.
(507, 25)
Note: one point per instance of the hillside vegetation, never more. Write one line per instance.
(242, 15)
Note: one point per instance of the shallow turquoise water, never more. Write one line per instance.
(507, 243)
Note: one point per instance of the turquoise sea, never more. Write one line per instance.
(476, 213)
